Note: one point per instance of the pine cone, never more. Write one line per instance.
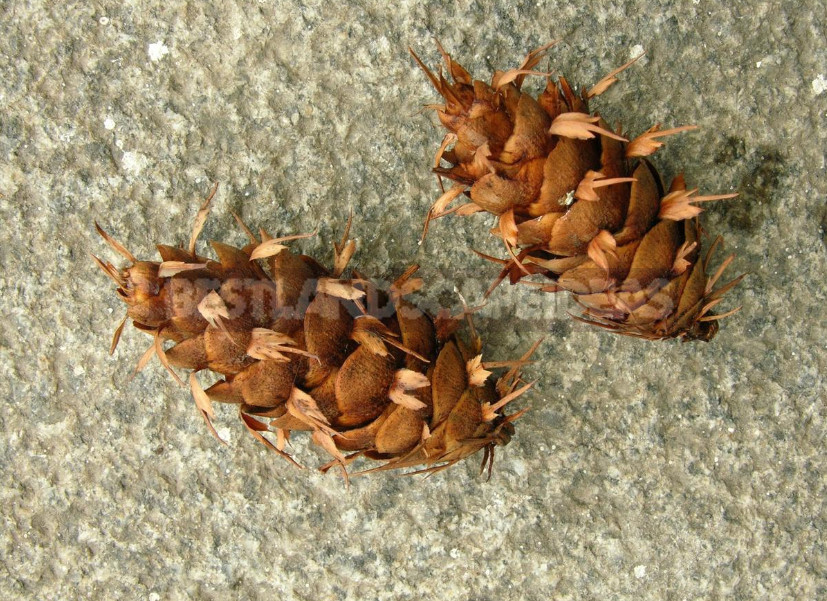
(577, 202)
(299, 346)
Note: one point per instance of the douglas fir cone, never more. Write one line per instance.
(577, 202)
(298, 347)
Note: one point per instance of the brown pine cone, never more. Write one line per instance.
(298, 347)
(577, 202)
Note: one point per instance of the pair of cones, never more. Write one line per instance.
(298, 346)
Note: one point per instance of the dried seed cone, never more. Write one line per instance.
(576, 202)
(298, 347)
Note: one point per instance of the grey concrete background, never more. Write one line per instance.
(643, 470)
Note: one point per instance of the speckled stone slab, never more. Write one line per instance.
(659, 471)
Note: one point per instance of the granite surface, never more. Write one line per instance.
(643, 470)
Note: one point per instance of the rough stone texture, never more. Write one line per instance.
(643, 471)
